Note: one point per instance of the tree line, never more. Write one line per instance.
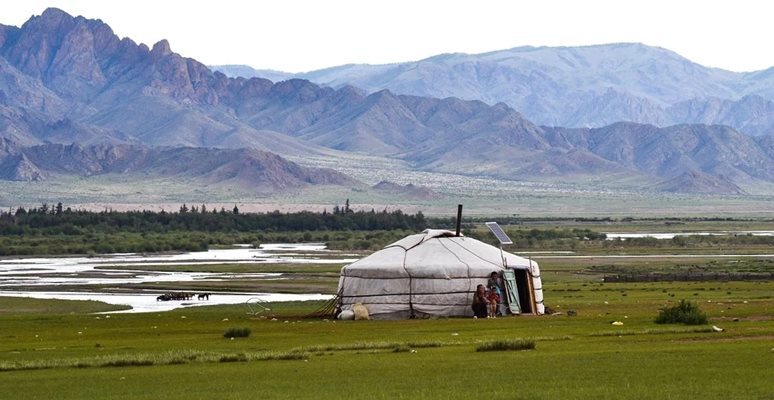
(57, 229)
(47, 220)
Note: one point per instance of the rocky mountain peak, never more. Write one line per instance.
(51, 16)
(161, 48)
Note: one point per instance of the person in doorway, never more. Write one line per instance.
(480, 302)
(493, 299)
(497, 281)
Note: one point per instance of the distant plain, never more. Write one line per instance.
(480, 195)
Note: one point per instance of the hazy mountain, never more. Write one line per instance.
(262, 171)
(668, 152)
(410, 190)
(470, 137)
(589, 86)
(697, 182)
(67, 79)
(246, 71)
(751, 114)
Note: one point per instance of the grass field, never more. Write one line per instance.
(51, 349)
(57, 349)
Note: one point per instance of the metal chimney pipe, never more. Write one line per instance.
(459, 218)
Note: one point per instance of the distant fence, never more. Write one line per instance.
(691, 277)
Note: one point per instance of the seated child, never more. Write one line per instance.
(493, 298)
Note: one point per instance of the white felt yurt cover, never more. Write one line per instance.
(434, 273)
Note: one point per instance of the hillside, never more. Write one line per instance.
(262, 171)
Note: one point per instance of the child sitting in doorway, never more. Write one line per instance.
(493, 299)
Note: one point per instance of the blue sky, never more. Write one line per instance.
(303, 35)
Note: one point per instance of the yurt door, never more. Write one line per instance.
(513, 291)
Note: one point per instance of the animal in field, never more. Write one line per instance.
(361, 312)
(175, 296)
(204, 296)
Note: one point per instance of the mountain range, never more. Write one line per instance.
(72, 91)
(589, 86)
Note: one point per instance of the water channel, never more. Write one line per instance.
(19, 276)
(672, 235)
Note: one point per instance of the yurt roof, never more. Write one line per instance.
(435, 253)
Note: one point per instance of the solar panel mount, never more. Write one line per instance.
(498, 232)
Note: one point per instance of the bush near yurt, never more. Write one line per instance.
(236, 333)
(684, 312)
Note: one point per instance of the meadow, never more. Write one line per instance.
(63, 350)
(86, 350)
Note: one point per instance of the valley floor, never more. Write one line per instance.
(480, 196)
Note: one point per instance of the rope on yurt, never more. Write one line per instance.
(327, 310)
(474, 254)
(470, 281)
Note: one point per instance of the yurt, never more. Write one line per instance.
(435, 273)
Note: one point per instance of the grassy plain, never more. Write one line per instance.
(63, 350)
(480, 195)
(53, 353)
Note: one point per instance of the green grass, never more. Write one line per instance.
(158, 355)
(20, 305)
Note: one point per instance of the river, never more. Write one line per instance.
(671, 235)
(18, 275)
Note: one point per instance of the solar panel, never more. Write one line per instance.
(499, 233)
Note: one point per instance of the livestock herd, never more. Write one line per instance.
(182, 296)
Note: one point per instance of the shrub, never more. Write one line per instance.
(684, 312)
(507, 344)
(237, 332)
(126, 363)
(233, 358)
(401, 349)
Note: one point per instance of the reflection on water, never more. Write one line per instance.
(71, 271)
